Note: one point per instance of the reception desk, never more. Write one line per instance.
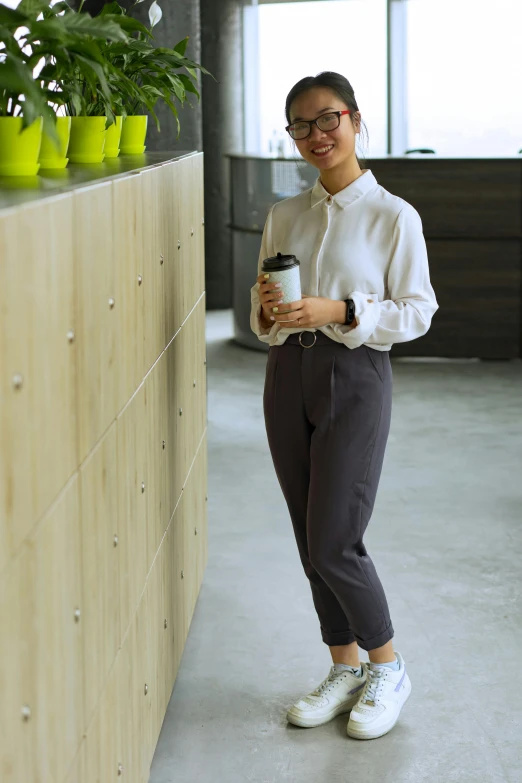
(103, 461)
(471, 210)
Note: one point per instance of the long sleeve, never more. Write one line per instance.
(264, 334)
(412, 304)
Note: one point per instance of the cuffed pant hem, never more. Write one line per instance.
(377, 641)
(336, 639)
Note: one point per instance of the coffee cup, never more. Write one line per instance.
(284, 269)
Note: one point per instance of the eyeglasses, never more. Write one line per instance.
(325, 122)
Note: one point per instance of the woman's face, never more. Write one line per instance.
(308, 106)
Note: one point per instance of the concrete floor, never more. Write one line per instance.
(445, 537)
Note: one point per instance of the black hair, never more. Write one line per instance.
(340, 86)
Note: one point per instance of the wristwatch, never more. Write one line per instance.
(350, 311)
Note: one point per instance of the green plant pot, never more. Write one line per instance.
(112, 139)
(87, 143)
(50, 157)
(133, 135)
(19, 150)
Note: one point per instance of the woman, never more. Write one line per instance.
(327, 397)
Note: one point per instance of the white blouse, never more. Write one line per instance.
(364, 244)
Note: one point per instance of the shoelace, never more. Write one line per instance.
(329, 680)
(372, 691)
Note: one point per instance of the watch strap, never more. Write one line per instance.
(350, 311)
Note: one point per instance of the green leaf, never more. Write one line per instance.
(57, 8)
(99, 73)
(14, 79)
(112, 8)
(11, 18)
(181, 47)
(32, 8)
(129, 24)
(97, 27)
(187, 83)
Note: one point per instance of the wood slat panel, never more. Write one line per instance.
(198, 183)
(153, 268)
(128, 217)
(177, 424)
(134, 470)
(100, 565)
(156, 432)
(41, 648)
(175, 592)
(99, 324)
(170, 211)
(37, 417)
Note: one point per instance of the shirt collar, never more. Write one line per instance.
(347, 195)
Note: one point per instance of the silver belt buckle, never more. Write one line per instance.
(311, 344)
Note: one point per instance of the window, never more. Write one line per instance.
(298, 39)
(464, 66)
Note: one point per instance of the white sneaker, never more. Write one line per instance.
(335, 695)
(380, 702)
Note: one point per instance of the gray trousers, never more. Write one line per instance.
(327, 414)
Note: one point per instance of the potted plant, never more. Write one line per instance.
(80, 74)
(50, 62)
(148, 76)
(24, 109)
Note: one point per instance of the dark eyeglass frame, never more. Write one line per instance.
(314, 122)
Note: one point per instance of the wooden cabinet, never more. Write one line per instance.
(103, 468)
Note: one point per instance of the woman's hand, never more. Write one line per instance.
(269, 295)
(310, 311)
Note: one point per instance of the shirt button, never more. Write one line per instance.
(370, 301)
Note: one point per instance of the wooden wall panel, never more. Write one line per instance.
(177, 419)
(99, 323)
(136, 481)
(144, 673)
(157, 434)
(127, 248)
(41, 649)
(131, 698)
(200, 373)
(101, 755)
(175, 594)
(37, 366)
(199, 227)
(186, 226)
(100, 565)
(154, 252)
(172, 198)
(101, 562)
(157, 636)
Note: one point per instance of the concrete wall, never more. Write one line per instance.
(221, 53)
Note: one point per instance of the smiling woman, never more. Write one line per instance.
(327, 401)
